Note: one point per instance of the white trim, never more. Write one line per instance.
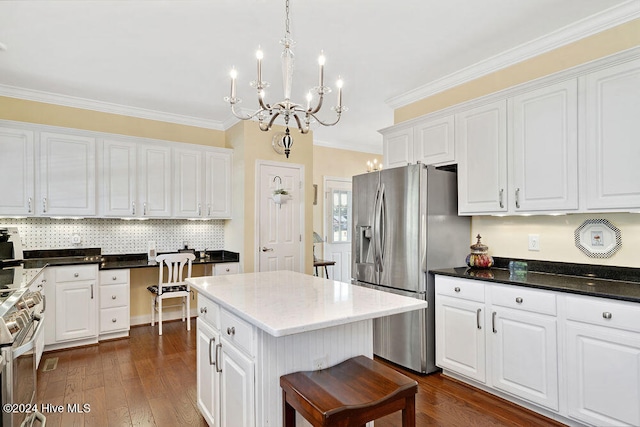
(570, 73)
(107, 107)
(373, 148)
(589, 26)
(256, 209)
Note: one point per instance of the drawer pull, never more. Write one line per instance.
(114, 278)
(114, 320)
(478, 318)
(227, 270)
(217, 363)
(231, 330)
(493, 322)
(457, 289)
(211, 342)
(607, 315)
(203, 310)
(113, 297)
(76, 274)
(519, 300)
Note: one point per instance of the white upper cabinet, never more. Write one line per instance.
(154, 181)
(611, 127)
(481, 139)
(217, 185)
(17, 173)
(397, 147)
(433, 141)
(119, 179)
(188, 183)
(67, 175)
(544, 149)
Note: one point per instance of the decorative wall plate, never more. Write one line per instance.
(277, 144)
(598, 238)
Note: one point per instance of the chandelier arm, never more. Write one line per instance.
(268, 126)
(262, 104)
(303, 130)
(244, 116)
(318, 107)
(325, 123)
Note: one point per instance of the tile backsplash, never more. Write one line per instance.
(118, 236)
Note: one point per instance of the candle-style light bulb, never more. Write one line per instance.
(234, 75)
(259, 56)
(339, 84)
(321, 61)
(309, 98)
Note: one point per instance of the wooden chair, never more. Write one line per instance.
(173, 287)
(348, 394)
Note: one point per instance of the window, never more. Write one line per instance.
(340, 216)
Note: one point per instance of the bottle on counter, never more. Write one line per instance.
(479, 257)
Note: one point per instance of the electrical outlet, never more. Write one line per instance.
(320, 363)
(534, 242)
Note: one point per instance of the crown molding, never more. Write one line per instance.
(363, 148)
(589, 26)
(106, 107)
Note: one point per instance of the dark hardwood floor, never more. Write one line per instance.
(148, 380)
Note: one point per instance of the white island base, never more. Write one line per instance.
(254, 328)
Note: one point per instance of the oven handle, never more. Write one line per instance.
(39, 416)
(29, 345)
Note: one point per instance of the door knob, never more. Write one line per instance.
(266, 249)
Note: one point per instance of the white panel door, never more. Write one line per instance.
(154, 177)
(524, 355)
(460, 337)
(17, 172)
(397, 148)
(433, 141)
(237, 387)
(67, 175)
(481, 142)
(76, 310)
(218, 184)
(612, 128)
(338, 226)
(188, 183)
(603, 378)
(279, 229)
(544, 158)
(208, 380)
(119, 179)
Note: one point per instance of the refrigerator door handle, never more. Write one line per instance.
(379, 225)
(423, 239)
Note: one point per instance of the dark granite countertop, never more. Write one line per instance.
(60, 257)
(621, 283)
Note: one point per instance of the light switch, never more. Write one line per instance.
(534, 242)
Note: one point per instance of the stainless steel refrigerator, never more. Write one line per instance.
(405, 223)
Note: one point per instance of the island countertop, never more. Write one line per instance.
(286, 302)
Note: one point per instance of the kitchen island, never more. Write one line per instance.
(255, 327)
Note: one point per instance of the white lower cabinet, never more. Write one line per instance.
(225, 367)
(114, 303)
(603, 361)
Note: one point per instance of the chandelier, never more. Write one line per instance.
(302, 115)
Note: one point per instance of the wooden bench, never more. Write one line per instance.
(348, 394)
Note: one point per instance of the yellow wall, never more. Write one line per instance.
(508, 236)
(77, 118)
(335, 163)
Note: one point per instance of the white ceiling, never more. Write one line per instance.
(170, 59)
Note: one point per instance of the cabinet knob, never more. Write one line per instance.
(457, 289)
(203, 310)
(227, 270)
(519, 300)
(113, 297)
(114, 320)
(606, 315)
(76, 274)
(231, 330)
(114, 278)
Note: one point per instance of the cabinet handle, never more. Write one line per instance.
(518, 198)
(493, 322)
(478, 318)
(203, 310)
(114, 278)
(457, 289)
(91, 291)
(133, 208)
(519, 300)
(607, 315)
(44, 204)
(227, 270)
(76, 274)
(231, 330)
(144, 209)
(211, 341)
(208, 209)
(218, 347)
(113, 297)
(29, 205)
(44, 303)
(501, 198)
(114, 320)
(199, 210)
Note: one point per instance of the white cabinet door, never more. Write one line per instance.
(217, 185)
(187, 183)
(397, 148)
(17, 185)
(525, 355)
(237, 387)
(154, 181)
(207, 378)
(119, 179)
(67, 175)
(460, 337)
(612, 109)
(481, 143)
(433, 141)
(76, 310)
(544, 158)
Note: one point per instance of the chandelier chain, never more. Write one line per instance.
(286, 21)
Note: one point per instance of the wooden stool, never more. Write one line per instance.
(351, 393)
